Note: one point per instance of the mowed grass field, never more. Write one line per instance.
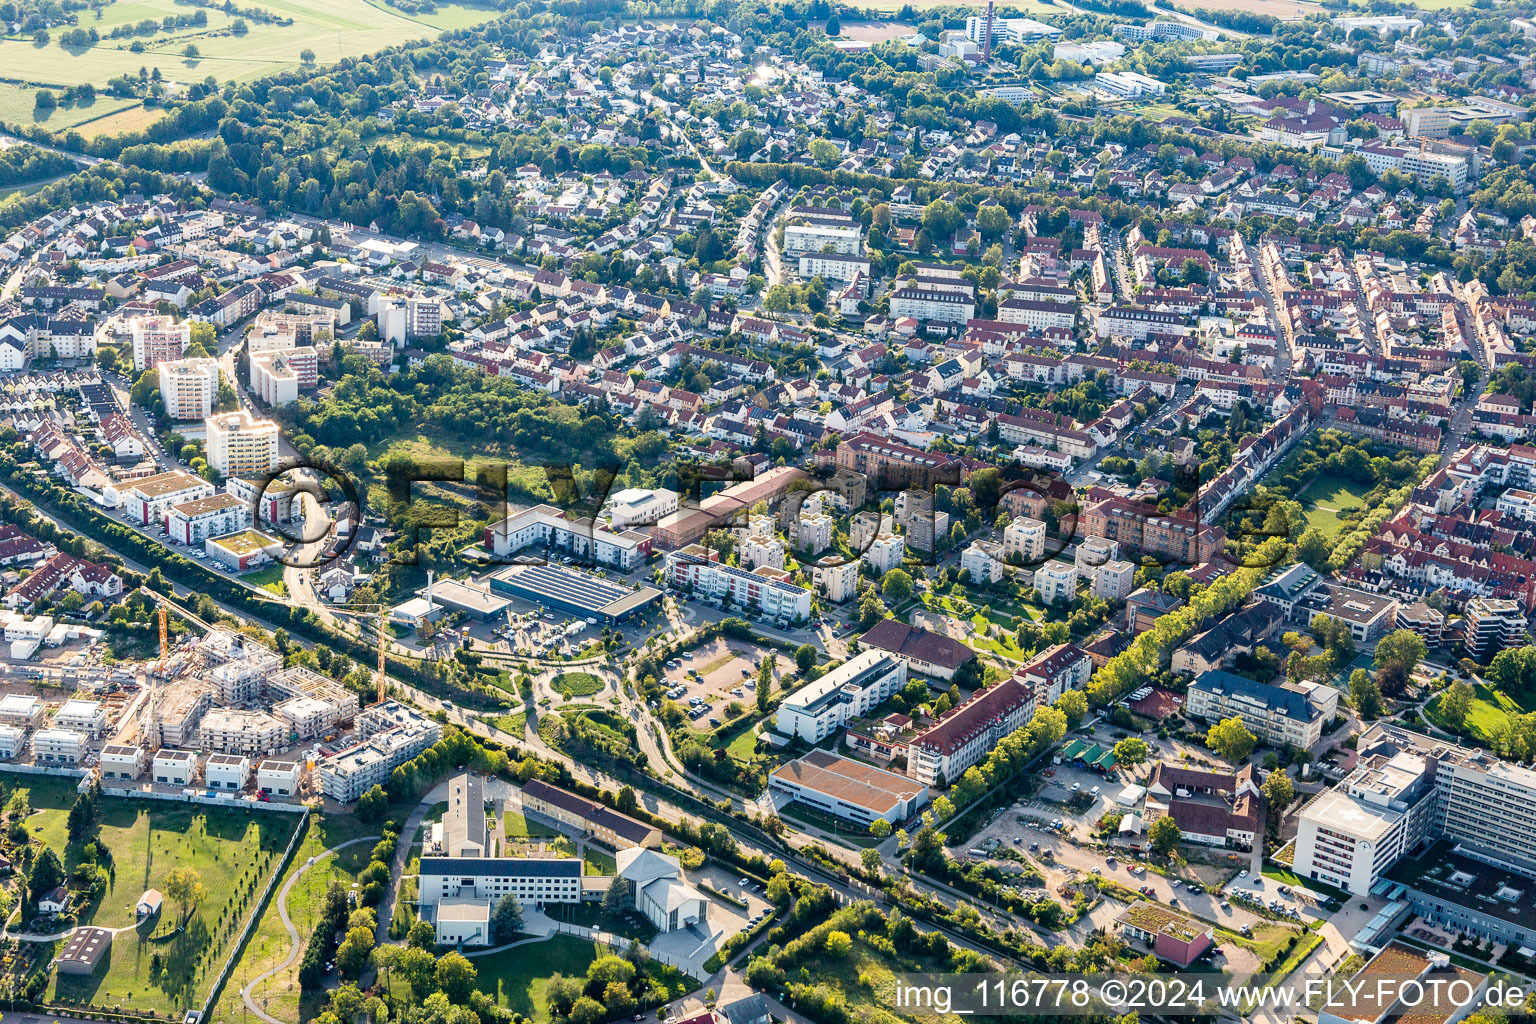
(1490, 711)
(232, 850)
(1324, 497)
(331, 28)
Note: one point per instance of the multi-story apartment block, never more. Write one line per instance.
(148, 500)
(158, 339)
(241, 445)
(1056, 581)
(1278, 715)
(984, 561)
(122, 762)
(833, 266)
(857, 687)
(842, 239)
(966, 733)
(1492, 624)
(59, 746)
(1182, 541)
(1114, 580)
(885, 552)
(189, 387)
(768, 592)
(234, 731)
(391, 734)
(1056, 670)
(278, 377)
(836, 583)
(1024, 540)
(87, 716)
(532, 881)
(549, 527)
(193, 522)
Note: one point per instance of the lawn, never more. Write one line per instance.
(1490, 711)
(513, 724)
(333, 29)
(576, 684)
(1325, 496)
(160, 965)
(519, 827)
(518, 977)
(631, 924)
(269, 943)
(596, 862)
(269, 579)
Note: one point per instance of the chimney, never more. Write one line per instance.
(429, 591)
(986, 41)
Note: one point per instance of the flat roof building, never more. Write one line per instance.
(848, 789)
(574, 592)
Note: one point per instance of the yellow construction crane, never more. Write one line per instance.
(165, 639)
(380, 613)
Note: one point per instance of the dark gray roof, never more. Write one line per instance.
(508, 867)
(1290, 703)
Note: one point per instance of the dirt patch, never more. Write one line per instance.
(876, 31)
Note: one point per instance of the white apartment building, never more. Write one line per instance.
(757, 549)
(928, 303)
(532, 881)
(854, 688)
(391, 734)
(193, 522)
(87, 716)
(227, 771)
(548, 526)
(58, 746)
(837, 583)
(1129, 84)
(307, 717)
(813, 532)
(189, 387)
(241, 445)
(833, 266)
(984, 561)
(1039, 315)
(846, 240)
(21, 710)
(174, 767)
(639, 506)
(1024, 538)
(149, 499)
(158, 339)
(279, 377)
(1114, 580)
(885, 553)
(233, 731)
(1056, 580)
(767, 592)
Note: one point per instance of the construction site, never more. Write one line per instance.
(220, 717)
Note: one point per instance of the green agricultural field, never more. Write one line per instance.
(332, 29)
(269, 944)
(165, 964)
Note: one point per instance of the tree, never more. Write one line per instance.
(626, 801)
(352, 955)
(506, 918)
(897, 586)
(1364, 694)
(870, 858)
(839, 943)
(880, 828)
(184, 886)
(1073, 704)
(834, 27)
(307, 56)
(456, 977)
(587, 1010)
(616, 896)
(47, 874)
(765, 682)
(46, 100)
(1279, 791)
(421, 936)
(1231, 739)
(1163, 835)
(805, 657)
(1397, 655)
(1131, 751)
(1455, 702)
(1312, 548)
(191, 52)
(373, 805)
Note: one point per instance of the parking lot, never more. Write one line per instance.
(716, 673)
